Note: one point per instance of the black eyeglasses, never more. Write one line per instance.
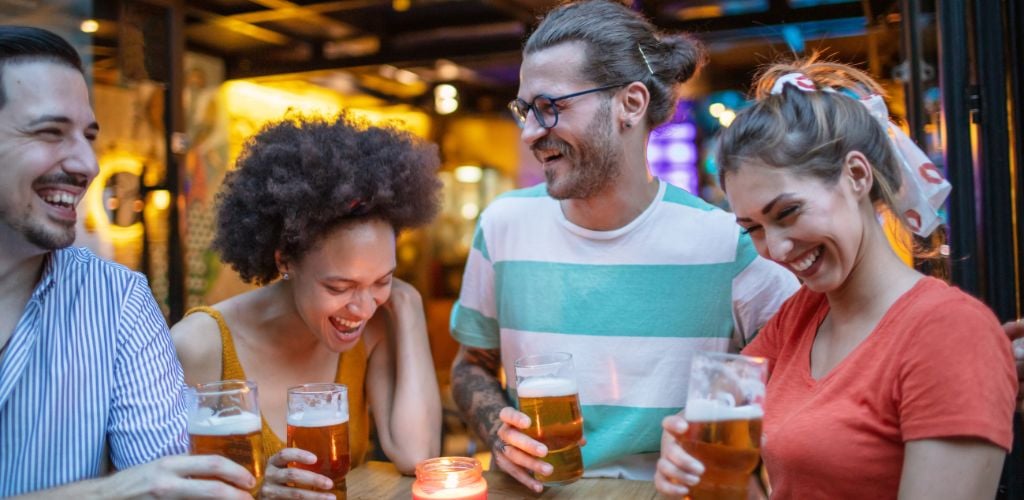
(544, 108)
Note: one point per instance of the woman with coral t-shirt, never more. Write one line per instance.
(883, 383)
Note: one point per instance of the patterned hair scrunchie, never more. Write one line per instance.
(924, 189)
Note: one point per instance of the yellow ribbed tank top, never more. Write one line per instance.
(351, 372)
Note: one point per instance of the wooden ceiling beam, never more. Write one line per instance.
(251, 30)
(295, 11)
(317, 9)
(245, 67)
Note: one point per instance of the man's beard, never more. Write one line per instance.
(594, 164)
(37, 234)
(33, 227)
(50, 239)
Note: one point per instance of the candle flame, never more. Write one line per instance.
(452, 480)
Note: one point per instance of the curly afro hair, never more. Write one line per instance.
(297, 180)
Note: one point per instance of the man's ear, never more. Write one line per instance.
(635, 99)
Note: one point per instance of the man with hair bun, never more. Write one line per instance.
(625, 272)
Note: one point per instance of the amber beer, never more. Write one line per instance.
(318, 423)
(326, 436)
(236, 437)
(553, 405)
(727, 441)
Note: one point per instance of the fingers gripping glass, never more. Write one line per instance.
(544, 108)
(547, 393)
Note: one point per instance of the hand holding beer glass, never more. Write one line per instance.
(318, 423)
(224, 419)
(722, 429)
(548, 395)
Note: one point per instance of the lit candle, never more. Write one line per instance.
(449, 478)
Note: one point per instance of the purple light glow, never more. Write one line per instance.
(672, 150)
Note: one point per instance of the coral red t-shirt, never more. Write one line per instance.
(937, 365)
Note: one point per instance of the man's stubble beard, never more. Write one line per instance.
(36, 232)
(595, 163)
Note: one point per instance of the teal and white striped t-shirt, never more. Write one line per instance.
(631, 305)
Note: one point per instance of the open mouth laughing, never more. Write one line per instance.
(548, 150)
(346, 330)
(805, 263)
(62, 201)
(546, 157)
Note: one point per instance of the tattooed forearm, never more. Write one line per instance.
(477, 391)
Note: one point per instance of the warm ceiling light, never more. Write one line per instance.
(469, 211)
(716, 109)
(446, 99)
(90, 26)
(446, 70)
(727, 117)
(406, 77)
(161, 199)
(401, 5)
(469, 174)
(446, 91)
(446, 106)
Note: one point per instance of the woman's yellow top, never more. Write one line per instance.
(351, 372)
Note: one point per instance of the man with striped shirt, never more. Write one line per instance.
(628, 274)
(89, 380)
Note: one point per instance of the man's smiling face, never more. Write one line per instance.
(47, 128)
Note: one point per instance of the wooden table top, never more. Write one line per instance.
(380, 480)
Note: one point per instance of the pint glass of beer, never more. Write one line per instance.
(724, 408)
(224, 419)
(546, 389)
(318, 423)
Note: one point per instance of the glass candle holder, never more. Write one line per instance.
(449, 478)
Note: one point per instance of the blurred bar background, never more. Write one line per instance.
(180, 84)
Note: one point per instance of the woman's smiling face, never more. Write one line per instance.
(812, 227)
(339, 284)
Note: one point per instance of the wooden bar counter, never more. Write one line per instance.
(380, 480)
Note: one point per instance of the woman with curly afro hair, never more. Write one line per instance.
(312, 212)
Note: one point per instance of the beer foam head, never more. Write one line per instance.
(317, 417)
(205, 423)
(710, 410)
(546, 387)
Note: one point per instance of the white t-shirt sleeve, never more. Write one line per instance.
(758, 292)
(474, 317)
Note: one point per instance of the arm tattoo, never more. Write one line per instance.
(477, 391)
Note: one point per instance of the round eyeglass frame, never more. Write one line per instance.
(521, 109)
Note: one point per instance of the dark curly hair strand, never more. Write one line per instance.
(298, 180)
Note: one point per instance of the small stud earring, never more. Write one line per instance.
(285, 276)
(629, 124)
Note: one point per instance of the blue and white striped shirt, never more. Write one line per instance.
(89, 378)
(631, 304)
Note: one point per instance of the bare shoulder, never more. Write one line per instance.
(197, 341)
